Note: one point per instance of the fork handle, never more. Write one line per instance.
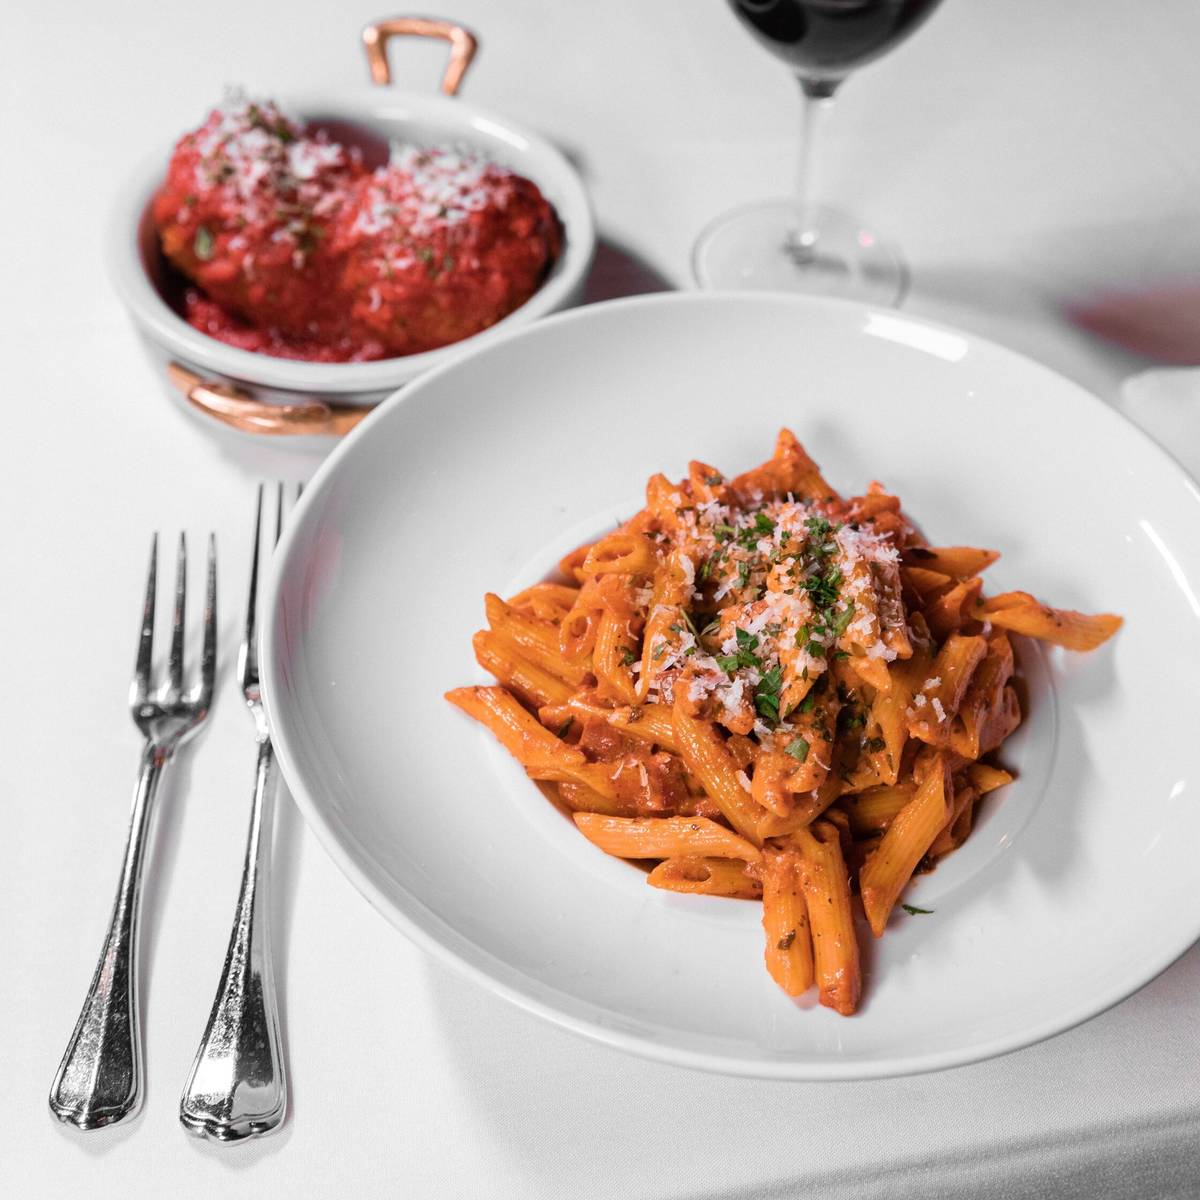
(99, 1080)
(237, 1086)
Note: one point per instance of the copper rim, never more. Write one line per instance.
(463, 44)
(239, 410)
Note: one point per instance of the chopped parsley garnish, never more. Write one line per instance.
(723, 532)
(806, 705)
(743, 574)
(823, 589)
(914, 911)
(628, 658)
(815, 649)
(798, 748)
(747, 643)
(766, 695)
(843, 618)
(763, 523)
(205, 244)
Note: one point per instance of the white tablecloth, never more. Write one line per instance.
(1026, 154)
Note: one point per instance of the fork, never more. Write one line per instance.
(99, 1080)
(237, 1087)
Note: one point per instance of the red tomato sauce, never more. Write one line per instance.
(295, 249)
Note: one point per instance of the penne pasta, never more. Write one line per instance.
(826, 884)
(709, 761)
(530, 682)
(1021, 613)
(907, 841)
(789, 951)
(664, 837)
(707, 877)
(536, 640)
(961, 562)
(769, 692)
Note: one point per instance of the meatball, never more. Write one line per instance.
(246, 212)
(439, 245)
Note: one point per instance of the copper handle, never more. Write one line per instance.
(463, 44)
(238, 409)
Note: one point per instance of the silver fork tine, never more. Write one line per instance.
(248, 651)
(175, 665)
(141, 674)
(208, 653)
(278, 512)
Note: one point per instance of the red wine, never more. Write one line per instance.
(827, 39)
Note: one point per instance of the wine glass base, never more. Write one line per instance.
(756, 247)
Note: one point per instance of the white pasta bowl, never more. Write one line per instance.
(1078, 884)
(260, 394)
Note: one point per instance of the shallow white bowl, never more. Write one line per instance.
(136, 262)
(1080, 881)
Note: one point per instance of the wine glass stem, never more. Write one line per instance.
(816, 100)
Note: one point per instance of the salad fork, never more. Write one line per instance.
(237, 1087)
(99, 1080)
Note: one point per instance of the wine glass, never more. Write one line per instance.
(798, 245)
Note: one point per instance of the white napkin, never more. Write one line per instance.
(1165, 402)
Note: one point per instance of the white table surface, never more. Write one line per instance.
(1026, 154)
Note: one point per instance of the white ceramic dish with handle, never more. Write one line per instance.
(259, 394)
(1079, 882)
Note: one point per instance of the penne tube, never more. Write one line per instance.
(706, 877)
(622, 553)
(536, 640)
(612, 656)
(706, 758)
(529, 742)
(948, 613)
(959, 824)
(547, 601)
(925, 585)
(826, 884)
(959, 561)
(789, 951)
(571, 565)
(580, 797)
(983, 704)
(889, 710)
(650, 723)
(985, 778)
(532, 684)
(907, 840)
(664, 837)
(874, 810)
(1022, 613)
(937, 702)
